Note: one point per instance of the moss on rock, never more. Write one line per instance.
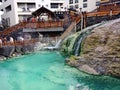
(100, 50)
(104, 44)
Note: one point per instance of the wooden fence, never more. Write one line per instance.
(44, 24)
(17, 43)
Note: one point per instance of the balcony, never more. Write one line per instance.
(26, 7)
(24, 10)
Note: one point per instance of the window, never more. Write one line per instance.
(8, 21)
(76, 6)
(54, 5)
(70, 1)
(39, 5)
(8, 8)
(46, 5)
(1, 10)
(26, 6)
(84, 0)
(71, 6)
(21, 5)
(76, 1)
(31, 5)
(97, 3)
(23, 17)
(84, 5)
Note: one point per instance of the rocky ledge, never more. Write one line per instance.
(100, 53)
(15, 51)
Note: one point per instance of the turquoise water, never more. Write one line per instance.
(47, 71)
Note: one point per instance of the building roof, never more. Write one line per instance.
(43, 10)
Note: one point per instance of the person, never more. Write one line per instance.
(5, 40)
(1, 27)
(0, 42)
(23, 9)
(28, 9)
(33, 19)
(24, 19)
(20, 38)
(3, 23)
(39, 19)
(11, 40)
(111, 13)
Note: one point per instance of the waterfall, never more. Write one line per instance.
(58, 44)
(83, 34)
(78, 42)
(78, 45)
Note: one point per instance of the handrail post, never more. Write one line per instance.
(81, 21)
(85, 16)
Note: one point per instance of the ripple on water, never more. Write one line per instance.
(47, 71)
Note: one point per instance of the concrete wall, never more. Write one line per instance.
(44, 3)
(10, 14)
(91, 5)
(13, 14)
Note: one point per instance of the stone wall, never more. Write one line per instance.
(8, 51)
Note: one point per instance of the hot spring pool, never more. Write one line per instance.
(46, 71)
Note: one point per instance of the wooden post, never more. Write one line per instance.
(81, 14)
(96, 18)
(111, 13)
(81, 20)
(85, 17)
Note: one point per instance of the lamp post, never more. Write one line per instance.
(81, 18)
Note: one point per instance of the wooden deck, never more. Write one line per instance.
(50, 24)
(34, 25)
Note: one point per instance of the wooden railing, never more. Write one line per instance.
(45, 24)
(17, 43)
(85, 15)
(102, 13)
(48, 24)
(9, 30)
(93, 14)
(108, 7)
